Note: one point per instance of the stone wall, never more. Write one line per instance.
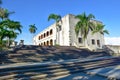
(113, 49)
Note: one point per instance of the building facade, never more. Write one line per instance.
(65, 35)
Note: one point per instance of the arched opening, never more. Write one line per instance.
(41, 44)
(44, 35)
(47, 33)
(44, 44)
(51, 32)
(39, 38)
(47, 43)
(51, 42)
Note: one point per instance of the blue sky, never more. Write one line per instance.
(37, 11)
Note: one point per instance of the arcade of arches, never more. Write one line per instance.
(47, 43)
(45, 35)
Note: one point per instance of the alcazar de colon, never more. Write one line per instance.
(66, 35)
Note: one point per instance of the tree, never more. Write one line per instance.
(32, 29)
(10, 35)
(4, 13)
(100, 28)
(57, 19)
(9, 29)
(84, 25)
(8, 26)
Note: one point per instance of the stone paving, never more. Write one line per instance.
(96, 74)
(82, 76)
(50, 62)
(108, 72)
(47, 53)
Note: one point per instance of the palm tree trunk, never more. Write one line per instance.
(56, 42)
(0, 41)
(33, 39)
(58, 36)
(8, 42)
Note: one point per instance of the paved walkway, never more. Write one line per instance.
(82, 76)
(109, 72)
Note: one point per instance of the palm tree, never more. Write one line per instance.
(13, 25)
(32, 29)
(10, 35)
(4, 13)
(7, 24)
(9, 29)
(84, 25)
(57, 18)
(100, 28)
(2, 31)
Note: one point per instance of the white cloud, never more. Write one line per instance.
(112, 40)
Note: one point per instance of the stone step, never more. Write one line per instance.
(55, 73)
(57, 70)
(57, 65)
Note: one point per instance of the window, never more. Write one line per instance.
(47, 43)
(51, 32)
(39, 38)
(60, 28)
(98, 43)
(47, 33)
(44, 35)
(51, 42)
(93, 41)
(44, 44)
(80, 40)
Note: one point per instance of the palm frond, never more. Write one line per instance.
(85, 24)
(54, 17)
(100, 29)
(91, 16)
(32, 28)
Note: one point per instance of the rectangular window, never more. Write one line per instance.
(80, 40)
(60, 28)
(93, 41)
(98, 43)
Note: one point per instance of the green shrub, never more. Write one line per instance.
(57, 45)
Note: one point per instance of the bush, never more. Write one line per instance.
(57, 45)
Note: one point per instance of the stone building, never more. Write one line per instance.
(65, 35)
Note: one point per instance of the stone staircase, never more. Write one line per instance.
(30, 53)
(53, 70)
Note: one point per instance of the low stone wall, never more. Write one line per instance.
(113, 49)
